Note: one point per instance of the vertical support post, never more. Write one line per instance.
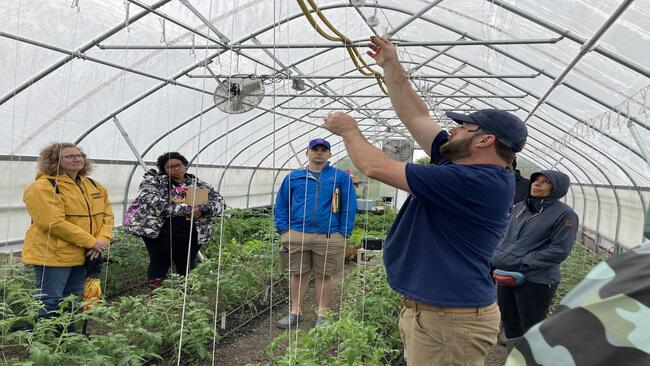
(637, 138)
(644, 151)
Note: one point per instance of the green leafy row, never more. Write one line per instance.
(365, 333)
(132, 329)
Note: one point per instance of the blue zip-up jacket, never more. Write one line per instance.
(312, 212)
(540, 235)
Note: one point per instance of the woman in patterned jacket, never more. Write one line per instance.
(169, 225)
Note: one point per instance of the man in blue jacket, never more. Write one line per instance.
(541, 234)
(314, 213)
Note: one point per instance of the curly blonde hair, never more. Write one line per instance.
(48, 159)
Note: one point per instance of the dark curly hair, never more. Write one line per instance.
(48, 159)
(164, 158)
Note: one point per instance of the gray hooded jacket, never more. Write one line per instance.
(540, 235)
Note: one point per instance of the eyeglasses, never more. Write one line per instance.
(175, 166)
(460, 125)
(72, 156)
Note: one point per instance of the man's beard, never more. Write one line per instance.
(456, 150)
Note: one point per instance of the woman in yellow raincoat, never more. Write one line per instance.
(71, 218)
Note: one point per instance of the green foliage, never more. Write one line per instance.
(133, 329)
(425, 160)
(125, 263)
(365, 333)
(374, 223)
(574, 269)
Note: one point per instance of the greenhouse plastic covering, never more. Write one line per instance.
(576, 71)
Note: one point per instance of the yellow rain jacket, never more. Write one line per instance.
(66, 220)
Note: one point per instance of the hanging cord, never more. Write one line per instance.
(336, 201)
(122, 93)
(358, 61)
(302, 253)
(221, 223)
(127, 7)
(271, 233)
(192, 52)
(163, 38)
(192, 227)
(347, 218)
(11, 169)
(75, 4)
(63, 101)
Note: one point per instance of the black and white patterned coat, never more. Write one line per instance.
(154, 206)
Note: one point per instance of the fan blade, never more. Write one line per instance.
(236, 102)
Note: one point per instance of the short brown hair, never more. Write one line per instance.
(48, 159)
(504, 152)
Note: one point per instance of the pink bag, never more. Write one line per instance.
(131, 210)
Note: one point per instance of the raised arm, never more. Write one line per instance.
(408, 105)
(372, 162)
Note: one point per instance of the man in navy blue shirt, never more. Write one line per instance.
(437, 253)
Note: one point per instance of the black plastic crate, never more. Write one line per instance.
(370, 243)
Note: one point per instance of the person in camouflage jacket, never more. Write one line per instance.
(159, 215)
(605, 320)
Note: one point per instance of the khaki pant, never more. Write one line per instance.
(315, 252)
(447, 336)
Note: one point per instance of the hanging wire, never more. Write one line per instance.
(75, 4)
(127, 8)
(221, 222)
(59, 136)
(163, 38)
(271, 234)
(12, 195)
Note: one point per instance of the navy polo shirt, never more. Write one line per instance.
(439, 248)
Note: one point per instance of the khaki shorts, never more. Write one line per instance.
(317, 252)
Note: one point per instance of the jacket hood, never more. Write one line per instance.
(559, 180)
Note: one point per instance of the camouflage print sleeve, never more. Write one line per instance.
(215, 204)
(152, 192)
(605, 320)
(178, 209)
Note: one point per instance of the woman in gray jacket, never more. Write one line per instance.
(541, 234)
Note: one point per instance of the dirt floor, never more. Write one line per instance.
(249, 345)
